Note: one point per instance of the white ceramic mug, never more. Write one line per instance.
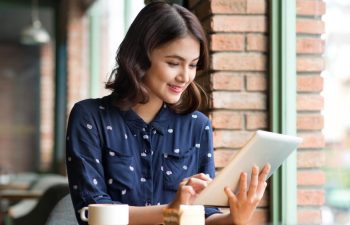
(106, 214)
(192, 215)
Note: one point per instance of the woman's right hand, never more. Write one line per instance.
(188, 190)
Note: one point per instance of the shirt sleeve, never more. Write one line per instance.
(206, 160)
(84, 161)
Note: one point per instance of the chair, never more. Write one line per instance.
(63, 213)
(43, 183)
(41, 211)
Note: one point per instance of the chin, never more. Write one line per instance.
(172, 101)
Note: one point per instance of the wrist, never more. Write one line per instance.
(230, 220)
(238, 223)
(173, 205)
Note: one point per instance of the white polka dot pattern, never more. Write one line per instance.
(168, 172)
(89, 126)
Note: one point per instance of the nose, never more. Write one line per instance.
(184, 75)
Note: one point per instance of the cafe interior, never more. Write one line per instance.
(52, 54)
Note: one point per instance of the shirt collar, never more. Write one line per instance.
(136, 123)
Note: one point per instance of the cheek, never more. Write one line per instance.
(193, 76)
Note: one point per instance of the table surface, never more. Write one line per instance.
(15, 186)
(19, 194)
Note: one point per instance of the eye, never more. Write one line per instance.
(193, 66)
(172, 64)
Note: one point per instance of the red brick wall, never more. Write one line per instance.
(78, 53)
(77, 77)
(311, 158)
(237, 30)
(77, 47)
(47, 92)
(18, 99)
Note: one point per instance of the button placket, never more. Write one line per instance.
(146, 159)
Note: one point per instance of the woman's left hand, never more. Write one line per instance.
(243, 204)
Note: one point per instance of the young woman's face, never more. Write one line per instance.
(173, 68)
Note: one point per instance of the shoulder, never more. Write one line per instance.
(91, 106)
(198, 116)
(196, 119)
(92, 110)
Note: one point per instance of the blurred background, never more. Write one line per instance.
(41, 42)
(33, 51)
(336, 111)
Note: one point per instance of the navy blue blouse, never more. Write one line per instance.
(113, 156)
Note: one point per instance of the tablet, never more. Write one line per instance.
(264, 147)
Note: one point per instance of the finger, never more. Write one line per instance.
(183, 182)
(230, 195)
(243, 185)
(253, 182)
(261, 190)
(262, 181)
(264, 172)
(183, 196)
(186, 194)
(197, 184)
(202, 176)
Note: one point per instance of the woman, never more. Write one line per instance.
(145, 145)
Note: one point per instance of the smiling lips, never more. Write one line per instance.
(176, 89)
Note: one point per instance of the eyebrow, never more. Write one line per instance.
(180, 58)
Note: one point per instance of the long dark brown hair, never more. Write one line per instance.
(156, 24)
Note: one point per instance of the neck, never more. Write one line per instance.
(148, 111)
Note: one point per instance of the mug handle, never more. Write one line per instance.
(83, 215)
